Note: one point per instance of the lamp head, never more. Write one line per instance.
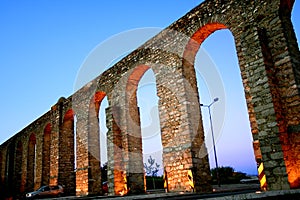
(216, 99)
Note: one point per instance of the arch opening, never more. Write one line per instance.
(97, 149)
(233, 138)
(132, 130)
(103, 141)
(225, 132)
(147, 102)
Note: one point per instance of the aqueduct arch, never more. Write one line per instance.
(269, 60)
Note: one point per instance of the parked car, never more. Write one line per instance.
(253, 179)
(46, 191)
(105, 187)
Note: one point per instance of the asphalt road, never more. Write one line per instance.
(225, 192)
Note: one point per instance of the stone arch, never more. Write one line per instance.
(269, 60)
(66, 175)
(270, 93)
(189, 55)
(134, 154)
(191, 49)
(196, 40)
(125, 162)
(174, 93)
(31, 163)
(46, 155)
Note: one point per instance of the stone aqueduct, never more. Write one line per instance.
(269, 60)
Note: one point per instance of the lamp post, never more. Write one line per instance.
(213, 138)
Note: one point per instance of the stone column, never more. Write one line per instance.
(94, 172)
(66, 174)
(116, 172)
(82, 162)
(133, 134)
(46, 154)
(54, 144)
(2, 167)
(181, 128)
(24, 166)
(134, 138)
(9, 171)
(18, 167)
(31, 164)
(282, 58)
(39, 156)
(88, 171)
(125, 121)
(259, 93)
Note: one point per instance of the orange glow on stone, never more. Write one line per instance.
(69, 115)
(293, 175)
(197, 39)
(99, 96)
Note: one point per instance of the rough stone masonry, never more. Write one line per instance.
(268, 55)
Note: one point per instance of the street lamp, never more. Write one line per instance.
(213, 138)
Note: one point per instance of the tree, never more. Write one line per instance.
(227, 175)
(151, 169)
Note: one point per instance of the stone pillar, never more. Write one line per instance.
(46, 155)
(82, 172)
(284, 53)
(117, 177)
(18, 168)
(88, 171)
(54, 145)
(133, 134)
(282, 58)
(9, 171)
(259, 91)
(31, 165)
(2, 172)
(135, 166)
(94, 173)
(125, 127)
(66, 174)
(24, 166)
(39, 156)
(181, 128)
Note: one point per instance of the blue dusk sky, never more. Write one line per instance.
(46, 45)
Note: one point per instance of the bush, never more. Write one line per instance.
(227, 175)
(157, 180)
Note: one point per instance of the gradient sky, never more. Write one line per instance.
(44, 43)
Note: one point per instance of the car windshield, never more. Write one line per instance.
(44, 188)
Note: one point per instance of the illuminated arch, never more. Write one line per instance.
(94, 148)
